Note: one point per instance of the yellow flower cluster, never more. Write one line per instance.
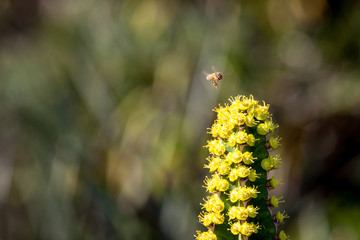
(239, 148)
(231, 166)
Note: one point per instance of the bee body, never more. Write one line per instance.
(214, 78)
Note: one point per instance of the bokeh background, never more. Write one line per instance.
(104, 112)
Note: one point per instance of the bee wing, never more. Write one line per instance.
(227, 73)
(205, 73)
(213, 68)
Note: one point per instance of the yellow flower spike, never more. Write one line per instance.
(240, 132)
(205, 235)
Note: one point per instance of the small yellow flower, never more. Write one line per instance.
(224, 167)
(214, 163)
(253, 175)
(262, 129)
(214, 204)
(216, 147)
(283, 236)
(232, 140)
(222, 185)
(241, 137)
(250, 140)
(235, 228)
(271, 125)
(248, 228)
(280, 216)
(239, 213)
(211, 183)
(205, 235)
(274, 142)
(247, 158)
(262, 112)
(235, 157)
(243, 171)
(252, 211)
(233, 175)
(234, 195)
(250, 121)
(212, 217)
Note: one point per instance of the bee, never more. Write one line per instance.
(214, 77)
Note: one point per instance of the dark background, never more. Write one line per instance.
(104, 112)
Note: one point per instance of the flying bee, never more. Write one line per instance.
(214, 77)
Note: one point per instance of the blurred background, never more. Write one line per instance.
(104, 112)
